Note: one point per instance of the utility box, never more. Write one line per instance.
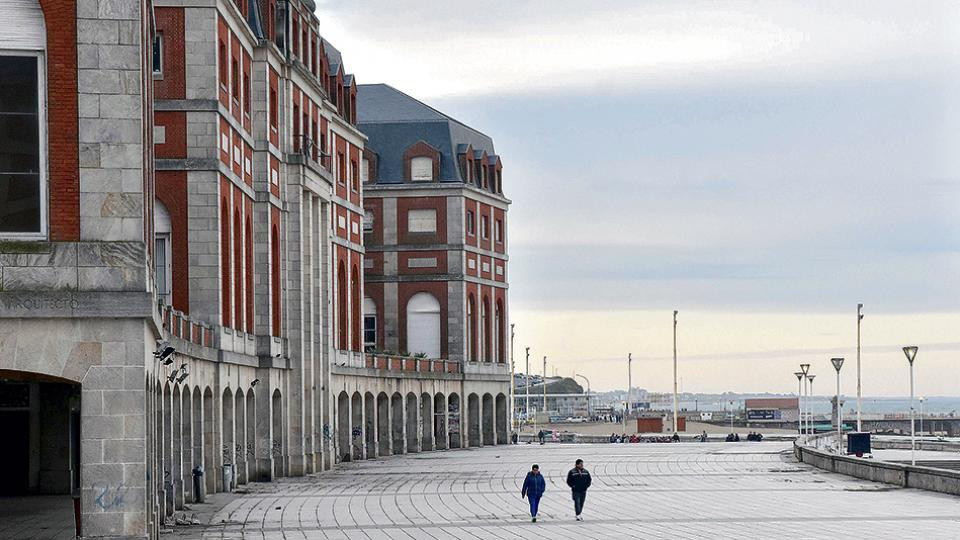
(858, 443)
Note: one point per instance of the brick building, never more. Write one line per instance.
(182, 263)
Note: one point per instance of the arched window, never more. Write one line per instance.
(341, 307)
(23, 152)
(421, 169)
(485, 330)
(161, 252)
(498, 333)
(423, 325)
(471, 331)
(355, 308)
(369, 324)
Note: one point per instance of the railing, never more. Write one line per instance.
(183, 327)
(411, 364)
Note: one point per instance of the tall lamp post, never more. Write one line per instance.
(626, 405)
(911, 353)
(589, 412)
(812, 431)
(799, 375)
(859, 393)
(837, 364)
(675, 407)
(804, 368)
(527, 385)
(545, 389)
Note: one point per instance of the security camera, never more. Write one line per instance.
(163, 353)
(183, 376)
(254, 382)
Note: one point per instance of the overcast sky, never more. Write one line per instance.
(760, 166)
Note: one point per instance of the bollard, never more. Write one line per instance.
(227, 477)
(198, 487)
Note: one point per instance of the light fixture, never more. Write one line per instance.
(910, 352)
(804, 368)
(254, 382)
(183, 376)
(163, 353)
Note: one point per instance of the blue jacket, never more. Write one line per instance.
(533, 485)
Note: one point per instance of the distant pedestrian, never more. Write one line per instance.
(579, 481)
(541, 435)
(515, 437)
(533, 488)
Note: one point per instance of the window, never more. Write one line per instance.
(421, 169)
(471, 223)
(273, 109)
(22, 152)
(158, 54)
(341, 172)
(422, 221)
(296, 128)
(423, 325)
(368, 220)
(223, 64)
(498, 231)
(471, 331)
(162, 257)
(484, 331)
(484, 227)
(369, 324)
(354, 175)
(235, 80)
(364, 170)
(246, 94)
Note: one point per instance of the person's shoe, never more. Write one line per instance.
(534, 520)
(579, 518)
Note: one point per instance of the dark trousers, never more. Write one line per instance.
(578, 498)
(534, 505)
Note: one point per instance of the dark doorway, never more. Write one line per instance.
(15, 451)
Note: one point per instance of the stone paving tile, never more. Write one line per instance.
(689, 490)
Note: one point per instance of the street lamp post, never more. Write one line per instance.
(675, 407)
(804, 368)
(589, 413)
(837, 364)
(527, 384)
(799, 375)
(626, 405)
(545, 389)
(911, 353)
(731, 416)
(859, 393)
(810, 377)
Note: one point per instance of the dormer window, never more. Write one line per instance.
(421, 169)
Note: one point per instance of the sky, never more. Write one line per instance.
(761, 167)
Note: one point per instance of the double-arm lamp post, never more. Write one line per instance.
(837, 364)
(911, 353)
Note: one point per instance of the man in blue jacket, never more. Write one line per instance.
(533, 488)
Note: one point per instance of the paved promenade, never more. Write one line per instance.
(689, 490)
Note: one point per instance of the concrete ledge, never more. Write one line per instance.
(927, 478)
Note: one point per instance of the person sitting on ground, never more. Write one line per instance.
(736, 437)
(758, 437)
(729, 437)
(676, 437)
(703, 437)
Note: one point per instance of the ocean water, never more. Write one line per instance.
(871, 405)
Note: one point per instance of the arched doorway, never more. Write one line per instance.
(502, 413)
(383, 424)
(473, 420)
(397, 424)
(439, 421)
(209, 441)
(454, 418)
(357, 426)
(412, 424)
(488, 421)
(251, 427)
(423, 325)
(426, 422)
(227, 432)
(276, 416)
(343, 452)
(370, 426)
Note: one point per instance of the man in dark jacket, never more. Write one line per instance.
(533, 488)
(579, 480)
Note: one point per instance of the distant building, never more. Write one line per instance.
(772, 410)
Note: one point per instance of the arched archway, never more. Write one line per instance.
(473, 420)
(277, 437)
(412, 413)
(198, 437)
(357, 426)
(176, 457)
(370, 426)
(396, 423)
(454, 421)
(502, 419)
(209, 441)
(251, 428)
(488, 420)
(186, 427)
(426, 422)
(342, 451)
(440, 421)
(423, 325)
(227, 428)
(383, 424)
(240, 438)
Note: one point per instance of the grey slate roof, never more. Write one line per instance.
(394, 122)
(333, 56)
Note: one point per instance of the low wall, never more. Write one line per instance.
(928, 478)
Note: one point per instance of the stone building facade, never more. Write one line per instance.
(182, 266)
